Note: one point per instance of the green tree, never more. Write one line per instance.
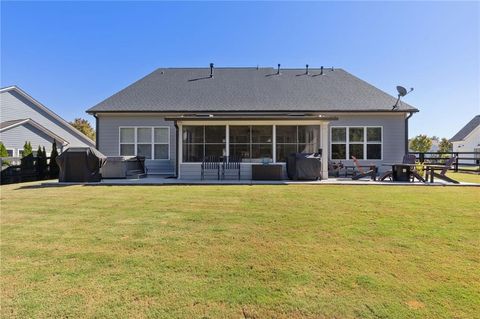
(27, 149)
(4, 153)
(420, 143)
(445, 145)
(53, 166)
(84, 126)
(40, 164)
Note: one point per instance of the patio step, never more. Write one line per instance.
(136, 174)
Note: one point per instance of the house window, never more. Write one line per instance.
(361, 142)
(201, 141)
(10, 152)
(150, 142)
(253, 143)
(296, 139)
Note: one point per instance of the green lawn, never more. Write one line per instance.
(465, 177)
(298, 251)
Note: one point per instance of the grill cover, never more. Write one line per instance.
(80, 164)
(304, 166)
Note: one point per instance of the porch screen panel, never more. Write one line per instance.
(201, 141)
(296, 139)
(240, 142)
(262, 142)
(253, 143)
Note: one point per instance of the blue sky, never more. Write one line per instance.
(72, 55)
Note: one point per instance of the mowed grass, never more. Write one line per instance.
(465, 177)
(297, 251)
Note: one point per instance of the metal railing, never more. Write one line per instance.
(464, 162)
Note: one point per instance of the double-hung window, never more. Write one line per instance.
(150, 142)
(363, 142)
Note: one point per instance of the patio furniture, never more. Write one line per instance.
(210, 164)
(430, 168)
(124, 167)
(372, 170)
(304, 166)
(334, 168)
(404, 171)
(266, 172)
(80, 164)
(231, 163)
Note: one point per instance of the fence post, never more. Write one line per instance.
(456, 162)
(421, 157)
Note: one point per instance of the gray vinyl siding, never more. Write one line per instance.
(393, 144)
(108, 137)
(15, 106)
(16, 137)
(393, 139)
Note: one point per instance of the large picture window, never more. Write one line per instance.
(296, 139)
(200, 141)
(361, 142)
(150, 142)
(253, 143)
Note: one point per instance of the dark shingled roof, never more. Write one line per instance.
(249, 90)
(467, 129)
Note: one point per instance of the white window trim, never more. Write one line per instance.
(347, 142)
(152, 143)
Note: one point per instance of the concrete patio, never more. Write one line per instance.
(161, 180)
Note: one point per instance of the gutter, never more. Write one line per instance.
(97, 133)
(406, 131)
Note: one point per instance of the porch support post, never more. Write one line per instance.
(325, 149)
(180, 150)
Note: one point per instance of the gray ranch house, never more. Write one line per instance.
(23, 118)
(176, 117)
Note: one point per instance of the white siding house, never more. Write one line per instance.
(22, 118)
(468, 139)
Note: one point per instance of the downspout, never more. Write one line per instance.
(176, 148)
(406, 131)
(96, 130)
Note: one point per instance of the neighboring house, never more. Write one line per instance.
(177, 116)
(22, 118)
(468, 139)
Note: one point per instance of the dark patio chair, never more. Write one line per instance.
(231, 163)
(372, 172)
(407, 159)
(448, 164)
(210, 164)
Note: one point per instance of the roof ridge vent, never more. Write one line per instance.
(211, 70)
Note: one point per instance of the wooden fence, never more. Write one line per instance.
(17, 170)
(465, 161)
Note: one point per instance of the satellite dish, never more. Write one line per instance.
(401, 92)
